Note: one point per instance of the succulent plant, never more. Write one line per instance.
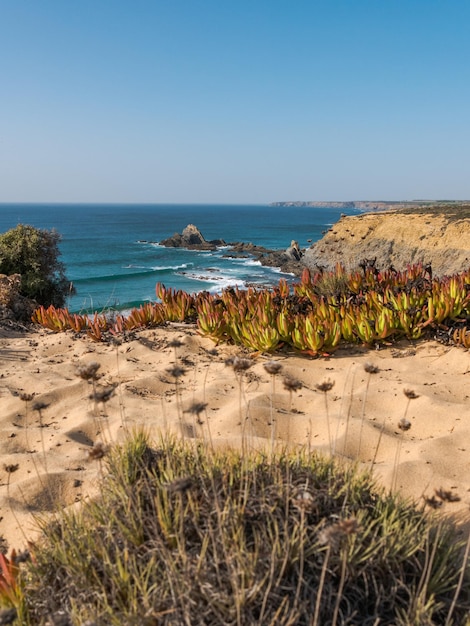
(322, 310)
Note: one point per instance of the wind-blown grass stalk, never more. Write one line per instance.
(321, 584)
(427, 571)
(11, 469)
(272, 419)
(291, 385)
(89, 373)
(39, 407)
(240, 365)
(122, 409)
(397, 461)
(273, 368)
(458, 589)
(381, 432)
(338, 422)
(27, 398)
(325, 387)
(212, 352)
(344, 562)
(348, 414)
(403, 425)
(300, 580)
(242, 418)
(370, 369)
(208, 428)
(177, 372)
(102, 396)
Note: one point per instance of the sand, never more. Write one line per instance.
(49, 437)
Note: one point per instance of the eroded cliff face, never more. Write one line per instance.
(396, 238)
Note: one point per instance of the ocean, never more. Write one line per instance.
(112, 255)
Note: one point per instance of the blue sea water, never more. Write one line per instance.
(112, 256)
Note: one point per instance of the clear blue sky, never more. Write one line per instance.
(234, 100)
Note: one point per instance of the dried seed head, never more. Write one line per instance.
(175, 343)
(176, 371)
(410, 394)
(26, 397)
(292, 384)
(305, 501)
(89, 371)
(273, 367)
(179, 485)
(39, 405)
(446, 496)
(22, 557)
(334, 534)
(433, 502)
(104, 394)
(98, 451)
(11, 468)
(196, 408)
(325, 386)
(330, 536)
(60, 618)
(349, 526)
(371, 369)
(239, 364)
(404, 424)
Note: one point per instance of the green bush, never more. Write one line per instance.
(34, 253)
(185, 535)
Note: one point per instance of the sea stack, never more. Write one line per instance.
(191, 238)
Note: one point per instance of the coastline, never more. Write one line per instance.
(375, 205)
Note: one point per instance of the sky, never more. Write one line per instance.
(234, 101)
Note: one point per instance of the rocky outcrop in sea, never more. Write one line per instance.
(288, 260)
(192, 239)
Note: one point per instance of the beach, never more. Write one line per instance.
(403, 409)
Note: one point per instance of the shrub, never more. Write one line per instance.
(183, 535)
(34, 253)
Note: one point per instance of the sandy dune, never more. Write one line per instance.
(50, 435)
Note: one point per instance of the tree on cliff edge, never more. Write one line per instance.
(34, 253)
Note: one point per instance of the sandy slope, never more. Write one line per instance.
(51, 446)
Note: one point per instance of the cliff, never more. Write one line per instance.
(398, 238)
(372, 205)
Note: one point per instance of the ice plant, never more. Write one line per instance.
(324, 309)
(9, 571)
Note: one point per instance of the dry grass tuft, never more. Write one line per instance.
(181, 535)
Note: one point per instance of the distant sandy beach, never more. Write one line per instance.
(49, 423)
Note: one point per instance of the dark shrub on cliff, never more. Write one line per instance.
(34, 253)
